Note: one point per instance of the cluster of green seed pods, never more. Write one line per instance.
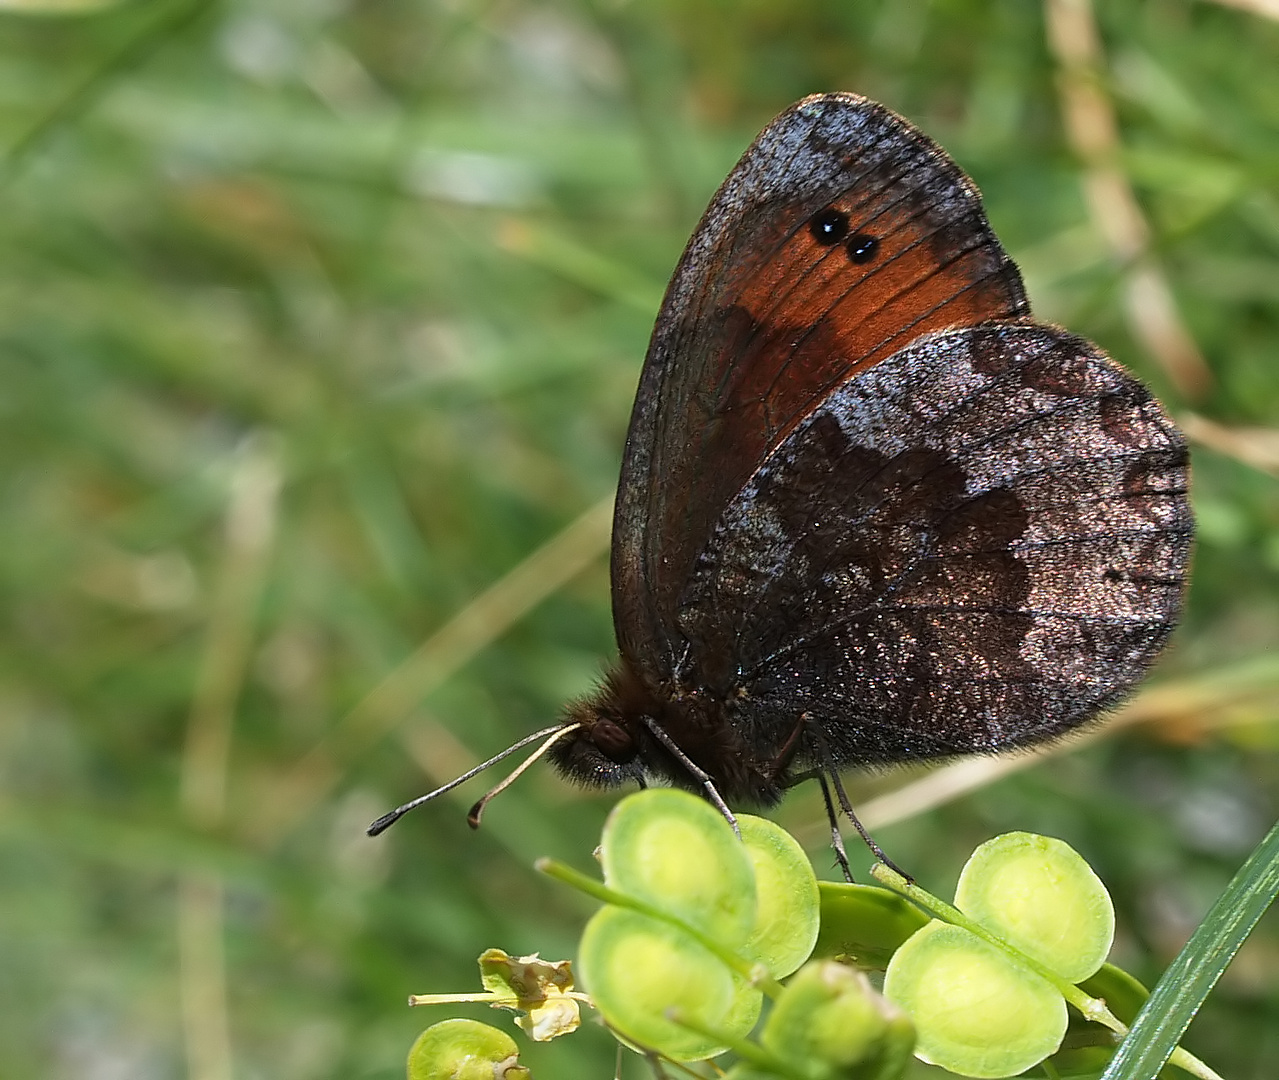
(704, 932)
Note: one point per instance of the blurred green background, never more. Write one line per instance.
(318, 318)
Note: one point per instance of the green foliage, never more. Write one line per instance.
(680, 958)
(1190, 978)
(404, 258)
(829, 1022)
(687, 927)
(641, 969)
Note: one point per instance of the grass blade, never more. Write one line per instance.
(1188, 980)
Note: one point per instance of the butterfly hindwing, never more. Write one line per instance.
(954, 551)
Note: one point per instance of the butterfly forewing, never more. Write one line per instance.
(842, 235)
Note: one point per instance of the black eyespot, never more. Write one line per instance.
(829, 226)
(862, 247)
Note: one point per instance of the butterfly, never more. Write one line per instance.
(870, 511)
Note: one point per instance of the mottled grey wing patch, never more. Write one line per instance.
(987, 533)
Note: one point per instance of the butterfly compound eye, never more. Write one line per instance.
(603, 756)
(829, 226)
(613, 741)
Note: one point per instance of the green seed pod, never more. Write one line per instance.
(637, 969)
(829, 1015)
(465, 1050)
(865, 923)
(1038, 894)
(976, 1011)
(676, 852)
(787, 901)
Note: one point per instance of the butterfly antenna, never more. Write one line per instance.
(473, 818)
(387, 820)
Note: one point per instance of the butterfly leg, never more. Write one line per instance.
(832, 816)
(869, 840)
(845, 805)
(836, 837)
(788, 749)
(694, 770)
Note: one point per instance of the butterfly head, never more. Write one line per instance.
(605, 750)
(626, 731)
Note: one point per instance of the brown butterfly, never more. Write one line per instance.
(869, 510)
